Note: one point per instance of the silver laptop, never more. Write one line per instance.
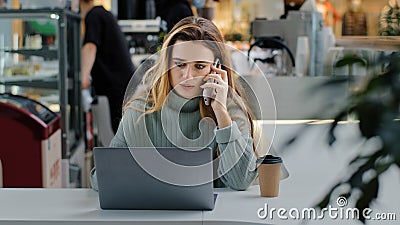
(154, 178)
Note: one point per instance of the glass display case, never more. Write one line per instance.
(40, 59)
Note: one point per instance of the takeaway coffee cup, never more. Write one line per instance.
(269, 173)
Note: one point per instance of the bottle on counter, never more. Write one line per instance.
(302, 56)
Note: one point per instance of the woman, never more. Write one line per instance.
(171, 111)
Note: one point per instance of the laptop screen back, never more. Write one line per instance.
(149, 178)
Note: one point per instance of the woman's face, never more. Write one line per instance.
(190, 63)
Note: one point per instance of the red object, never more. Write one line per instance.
(21, 136)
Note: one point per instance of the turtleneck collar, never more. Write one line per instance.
(176, 102)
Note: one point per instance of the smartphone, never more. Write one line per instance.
(208, 92)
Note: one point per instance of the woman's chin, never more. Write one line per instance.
(188, 94)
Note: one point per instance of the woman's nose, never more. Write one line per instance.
(187, 72)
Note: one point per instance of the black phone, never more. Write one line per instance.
(209, 92)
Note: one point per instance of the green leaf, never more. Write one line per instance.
(370, 114)
(382, 167)
(356, 179)
(390, 136)
(377, 83)
(331, 133)
(370, 192)
(397, 162)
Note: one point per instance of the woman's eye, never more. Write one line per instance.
(179, 64)
(200, 66)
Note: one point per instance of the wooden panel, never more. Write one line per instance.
(370, 42)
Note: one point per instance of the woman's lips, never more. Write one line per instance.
(187, 86)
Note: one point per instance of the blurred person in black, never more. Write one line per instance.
(172, 11)
(106, 61)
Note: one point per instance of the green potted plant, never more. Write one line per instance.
(376, 106)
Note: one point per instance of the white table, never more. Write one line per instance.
(77, 206)
(313, 169)
(81, 206)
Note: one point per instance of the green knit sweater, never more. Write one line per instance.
(179, 124)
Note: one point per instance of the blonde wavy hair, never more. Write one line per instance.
(157, 81)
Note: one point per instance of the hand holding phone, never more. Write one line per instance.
(209, 92)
